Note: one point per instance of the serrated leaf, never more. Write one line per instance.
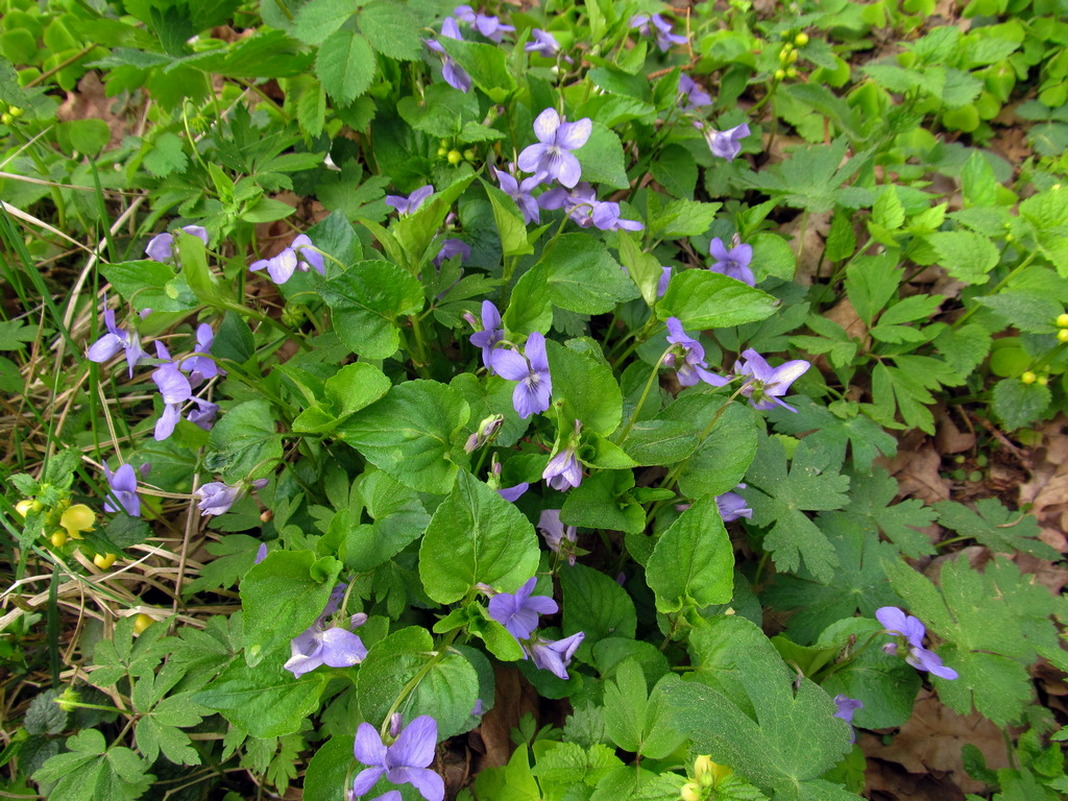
(693, 561)
(704, 299)
(346, 65)
(367, 300)
(392, 29)
(1018, 404)
(965, 255)
(996, 527)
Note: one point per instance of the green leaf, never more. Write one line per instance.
(602, 158)
(833, 429)
(603, 501)
(774, 729)
(282, 596)
(399, 518)
(346, 65)
(583, 277)
(998, 528)
(367, 300)
(510, 224)
(636, 720)
(413, 434)
(773, 257)
(595, 604)
(513, 781)
(447, 688)
(166, 156)
(392, 28)
(561, 766)
(1027, 311)
(587, 388)
(693, 561)
(318, 19)
(486, 64)
(966, 256)
(267, 701)
(244, 444)
(1018, 404)
(329, 773)
(704, 299)
(723, 458)
(90, 771)
(150, 285)
(779, 500)
(476, 536)
(870, 282)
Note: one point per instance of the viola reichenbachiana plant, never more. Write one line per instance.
(423, 352)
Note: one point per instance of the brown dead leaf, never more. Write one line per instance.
(90, 102)
(846, 316)
(808, 236)
(932, 738)
(916, 467)
(515, 697)
(888, 781)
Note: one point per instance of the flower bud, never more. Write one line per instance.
(104, 560)
(792, 72)
(1062, 320)
(794, 55)
(6, 118)
(702, 766)
(1062, 335)
(1043, 380)
(780, 74)
(142, 622)
(801, 39)
(58, 538)
(14, 111)
(68, 700)
(469, 154)
(691, 791)
(1029, 377)
(442, 152)
(454, 157)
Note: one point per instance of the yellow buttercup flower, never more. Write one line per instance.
(76, 519)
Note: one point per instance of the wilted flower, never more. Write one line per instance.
(487, 430)
(664, 37)
(531, 370)
(559, 539)
(518, 612)
(161, 246)
(406, 761)
(733, 263)
(665, 280)
(726, 144)
(301, 255)
(122, 486)
(554, 655)
(692, 368)
(911, 631)
(556, 139)
(116, 340)
(514, 493)
(765, 386)
(410, 204)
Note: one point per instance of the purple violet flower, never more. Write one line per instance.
(216, 498)
(406, 761)
(733, 506)
(521, 194)
(301, 255)
(204, 414)
(664, 37)
(665, 280)
(733, 263)
(410, 204)
(531, 370)
(161, 246)
(693, 367)
(514, 493)
(543, 43)
(556, 139)
(563, 470)
(175, 389)
(454, 75)
(122, 486)
(489, 26)
(765, 386)
(450, 248)
(116, 340)
(331, 646)
(912, 631)
(846, 707)
(554, 655)
(490, 335)
(560, 540)
(201, 366)
(726, 144)
(606, 218)
(691, 95)
(518, 612)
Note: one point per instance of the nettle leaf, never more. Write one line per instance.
(367, 300)
(693, 561)
(476, 536)
(966, 256)
(780, 499)
(90, 771)
(244, 444)
(587, 388)
(392, 28)
(832, 429)
(860, 584)
(722, 459)
(346, 65)
(412, 434)
(447, 689)
(704, 299)
(561, 766)
(996, 624)
(777, 733)
(282, 596)
(995, 526)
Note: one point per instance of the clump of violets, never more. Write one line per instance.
(562, 541)
(910, 632)
(645, 23)
(518, 612)
(531, 370)
(584, 208)
(688, 357)
(176, 387)
(321, 644)
(411, 203)
(116, 340)
(453, 74)
(161, 246)
(300, 256)
(764, 385)
(405, 761)
(552, 156)
(726, 144)
(733, 263)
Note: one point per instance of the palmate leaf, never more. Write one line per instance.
(813, 178)
(779, 500)
(996, 527)
(753, 716)
(90, 771)
(834, 431)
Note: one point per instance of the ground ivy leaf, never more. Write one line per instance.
(776, 733)
(780, 499)
(693, 562)
(476, 536)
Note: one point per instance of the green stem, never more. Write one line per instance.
(653, 376)
(413, 682)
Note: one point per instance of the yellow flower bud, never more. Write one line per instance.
(702, 765)
(794, 55)
(14, 111)
(1043, 380)
(26, 506)
(1029, 377)
(691, 791)
(76, 519)
(792, 72)
(780, 74)
(58, 538)
(442, 152)
(801, 39)
(1062, 320)
(142, 622)
(104, 560)
(454, 157)
(469, 154)
(6, 118)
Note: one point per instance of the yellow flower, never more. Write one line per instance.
(26, 506)
(76, 519)
(104, 560)
(691, 791)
